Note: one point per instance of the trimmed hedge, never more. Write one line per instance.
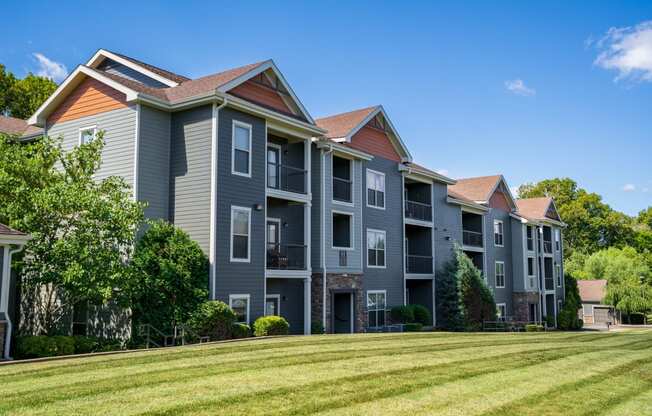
(240, 331)
(412, 327)
(533, 328)
(271, 325)
(402, 314)
(316, 328)
(421, 314)
(41, 346)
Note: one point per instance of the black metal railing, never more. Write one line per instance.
(342, 189)
(547, 247)
(286, 178)
(472, 238)
(286, 256)
(418, 211)
(416, 264)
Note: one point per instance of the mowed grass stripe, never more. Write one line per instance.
(640, 404)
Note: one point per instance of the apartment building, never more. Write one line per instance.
(325, 220)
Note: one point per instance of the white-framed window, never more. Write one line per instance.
(376, 305)
(87, 134)
(498, 233)
(557, 239)
(530, 272)
(375, 248)
(342, 230)
(240, 306)
(500, 274)
(529, 232)
(240, 232)
(560, 278)
(375, 189)
(241, 149)
(501, 311)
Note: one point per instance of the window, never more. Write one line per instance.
(530, 272)
(240, 306)
(375, 189)
(342, 230)
(500, 274)
(80, 318)
(498, 233)
(241, 155)
(376, 307)
(273, 305)
(559, 276)
(501, 311)
(342, 180)
(375, 248)
(557, 239)
(87, 134)
(240, 231)
(529, 230)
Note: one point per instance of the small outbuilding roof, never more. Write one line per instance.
(592, 290)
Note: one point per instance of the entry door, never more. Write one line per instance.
(342, 313)
(273, 167)
(273, 305)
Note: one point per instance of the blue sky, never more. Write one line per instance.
(474, 88)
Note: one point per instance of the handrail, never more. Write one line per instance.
(343, 188)
(286, 178)
(418, 264)
(418, 210)
(472, 238)
(286, 256)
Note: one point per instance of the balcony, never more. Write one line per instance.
(547, 247)
(286, 178)
(418, 211)
(342, 189)
(418, 264)
(472, 238)
(286, 256)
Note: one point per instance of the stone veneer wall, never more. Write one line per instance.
(338, 282)
(521, 301)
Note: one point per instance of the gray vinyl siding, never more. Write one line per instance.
(235, 190)
(154, 162)
(119, 128)
(389, 220)
(315, 211)
(116, 68)
(291, 301)
(518, 258)
(494, 253)
(354, 257)
(190, 173)
(448, 226)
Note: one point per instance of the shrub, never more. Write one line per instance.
(533, 328)
(270, 325)
(240, 331)
(402, 314)
(568, 320)
(412, 327)
(41, 346)
(316, 328)
(85, 345)
(213, 319)
(549, 320)
(421, 314)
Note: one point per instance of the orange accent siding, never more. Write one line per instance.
(90, 97)
(376, 142)
(262, 95)
(499, 200)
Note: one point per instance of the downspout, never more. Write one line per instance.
(214, 155)
(323, 232)
(5, 295)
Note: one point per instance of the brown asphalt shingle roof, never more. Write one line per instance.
(17, 126)
(4, 230)
(475, 189)
(162, 72)
(340, 125)
(534, 208)
(592, 290)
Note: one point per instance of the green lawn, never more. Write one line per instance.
(411, 374)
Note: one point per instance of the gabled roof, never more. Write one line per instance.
(342, 127)
(534, 208)
(163, 76)
(18, 127)
(480, 189)
(592, 290)
(163, 72)
(421, 170)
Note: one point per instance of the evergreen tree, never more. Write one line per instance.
(476, 300)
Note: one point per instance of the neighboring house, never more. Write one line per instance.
(11, 242)
(17, 127)
(320, 221)
(594, 311)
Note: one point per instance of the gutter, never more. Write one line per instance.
(213, 193)
(323, 232)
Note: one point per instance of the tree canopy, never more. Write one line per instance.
(21, 97)
(83, 229)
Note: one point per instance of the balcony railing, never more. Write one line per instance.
(550, 283)
(547, 247)
(286, 256)
(286, 178)
(418, 264)
(342, 189)
(418, 211)
(472, 238)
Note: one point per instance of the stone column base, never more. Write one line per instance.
(338, 282)
(522, 301)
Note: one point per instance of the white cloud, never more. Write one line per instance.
(50, 69)
(627, 50)
(442, 172)
(517, 86)
(629, 187)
